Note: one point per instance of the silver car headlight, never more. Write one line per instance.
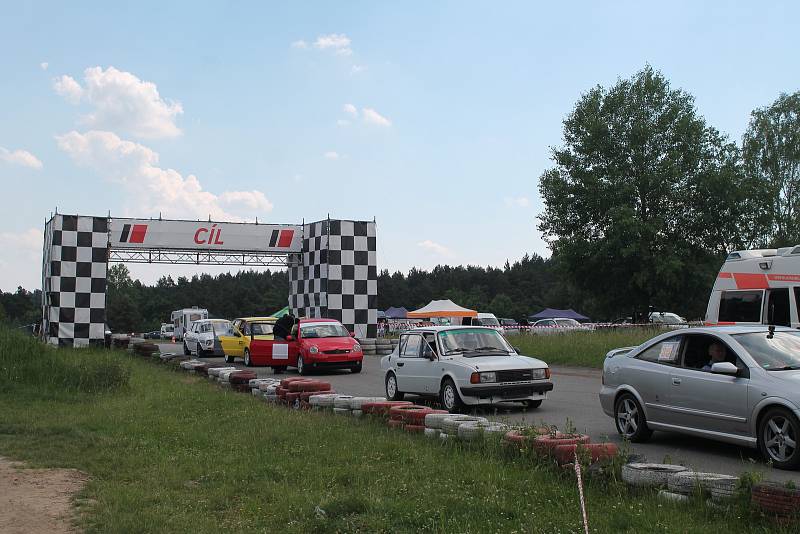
(209, 342)
(538, 374)
(488, 377)
(313, 349)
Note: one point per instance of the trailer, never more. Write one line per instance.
(183, 320)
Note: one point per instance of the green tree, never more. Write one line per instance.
(771, 153)
(637, 206)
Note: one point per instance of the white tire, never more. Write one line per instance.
(342, 411)
(272, 399)
(324, 401)
(342, 402)
(432, 433)
(357, 413)
(472, 430)
(688, 482)
(357, 402)
(451, 424)
(672, 497)
(434, 420)
(255, 391)
(645, 475)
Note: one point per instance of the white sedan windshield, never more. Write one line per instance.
(473, 340)
(779, 352)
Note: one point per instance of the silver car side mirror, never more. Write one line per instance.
(724, 368)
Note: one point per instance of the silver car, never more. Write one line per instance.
(463, 365)
(733, 384)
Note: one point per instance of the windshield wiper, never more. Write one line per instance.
(457, 350)
(785, 368)
(488, 349)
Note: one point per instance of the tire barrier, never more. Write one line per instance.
(414, 429)
(776, 499)
(475, 430)
(432, 432)
(451, 424)
(404, 413)
(395, 424)
(688, 482)
(382, 407)
(545, 444)
(646, 475)
(565, 454)
(433, 420)
(342, 411)
(357, 402)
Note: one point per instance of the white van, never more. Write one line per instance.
(166, 330)
(183, 320)
(757, 287)
(488, 319)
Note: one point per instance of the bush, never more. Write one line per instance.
(27, 364)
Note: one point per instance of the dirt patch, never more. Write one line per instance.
(37, 500)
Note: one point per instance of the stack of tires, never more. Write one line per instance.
(383, 346)
(356, 403)
(776, 499)
(409, 417)
(213, 372)
(644, 475)
(240, 380)
(145, 349)
(688, 483)
(189, 365)
(296, 391)
(450, 425)
(381, 408)
(368, 346)
(523, 440)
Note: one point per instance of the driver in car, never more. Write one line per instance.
(718, 354)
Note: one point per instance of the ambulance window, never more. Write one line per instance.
(740, 306)
(778, 307)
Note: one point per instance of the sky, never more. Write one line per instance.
(434, 118)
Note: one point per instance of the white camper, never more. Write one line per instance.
(757, 287)
(183, 320)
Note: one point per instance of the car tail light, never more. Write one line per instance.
(474, 378)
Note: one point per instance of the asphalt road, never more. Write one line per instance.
(573, 398)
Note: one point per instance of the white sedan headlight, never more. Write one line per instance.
(209, 342)
(488, 377)
(313, 349)
(538, 374)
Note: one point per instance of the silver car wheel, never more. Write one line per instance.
(300, 365)
(449, 397)
(628, 417)
(779, 438)
(391, 387)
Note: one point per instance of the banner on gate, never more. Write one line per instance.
(197, 235)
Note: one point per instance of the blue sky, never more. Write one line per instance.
(435, 118)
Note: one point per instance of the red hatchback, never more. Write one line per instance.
(314, 344)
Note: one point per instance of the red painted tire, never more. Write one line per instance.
(281, 391)
(546, 444)
(418, 418)
(415, 429)
(393, 423)
(402, 413)
(775, 498)
(305, 395)
(382, 407)
(309, 385)
(565, 454)
(241, 377)
(292, 396)
(286, 381)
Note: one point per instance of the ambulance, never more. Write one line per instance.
(757, 287)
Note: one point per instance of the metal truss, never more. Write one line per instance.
(201, 257)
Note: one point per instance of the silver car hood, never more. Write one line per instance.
(497, 363)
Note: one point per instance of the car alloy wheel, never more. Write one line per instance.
(229, 359)
(392, 393)
(186, 350)
(301, 367)
(778, 438)
(630, 420)
(247, 361)
(449, 397)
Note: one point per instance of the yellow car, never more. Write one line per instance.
(236, 342)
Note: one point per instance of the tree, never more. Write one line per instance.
(771, 153)
(637, 207)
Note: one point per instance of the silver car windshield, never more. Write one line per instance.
(779, 352)
(471, 341)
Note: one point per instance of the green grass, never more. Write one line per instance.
(584, 349)
(170, 452)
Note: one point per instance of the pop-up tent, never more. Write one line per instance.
(441, 308)
(551, 313)
(280, 313)
(396, 313)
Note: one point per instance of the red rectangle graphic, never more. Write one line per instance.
(137, 233)
(285, 239)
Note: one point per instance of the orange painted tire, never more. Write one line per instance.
(382, 407)
(402, 413)
(546, 444)
(415, 429)
(565, 454)
(393, 423)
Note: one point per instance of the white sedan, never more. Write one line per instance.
(463, 365)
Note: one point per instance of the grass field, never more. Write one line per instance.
(585, 349)
(170, 452)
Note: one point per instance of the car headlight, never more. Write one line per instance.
(538, 374)
(313, 349)
(356, 348)
(209, 342)
(488, 377)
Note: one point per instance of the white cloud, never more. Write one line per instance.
(355, 69)
(436, 248)
(520, 202)
(29, 240)
(20, 157)
(351, 109)
(373, 117)
(67, 87)
(338, 43)
(343, 122)
(153, 189)
(44, 65)
(331, 155)
(122, 102)
(300, 44)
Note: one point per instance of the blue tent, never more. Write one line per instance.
(551, 313)
(396, 313)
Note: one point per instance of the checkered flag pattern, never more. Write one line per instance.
(74, 280)
(336, 275)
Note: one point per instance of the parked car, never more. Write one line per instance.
(152, 335)
(736, 384)
(236, 342)
(167, 330)
(203, 337)
(313, 344)
(557, 325)
(667, 319)
(487, 319)
(508, 322)
(463, 366)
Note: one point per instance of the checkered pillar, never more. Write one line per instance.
(336, 275)
(75, 261)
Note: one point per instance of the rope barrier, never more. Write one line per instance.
(580, 492)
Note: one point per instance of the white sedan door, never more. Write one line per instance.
(409, 364)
